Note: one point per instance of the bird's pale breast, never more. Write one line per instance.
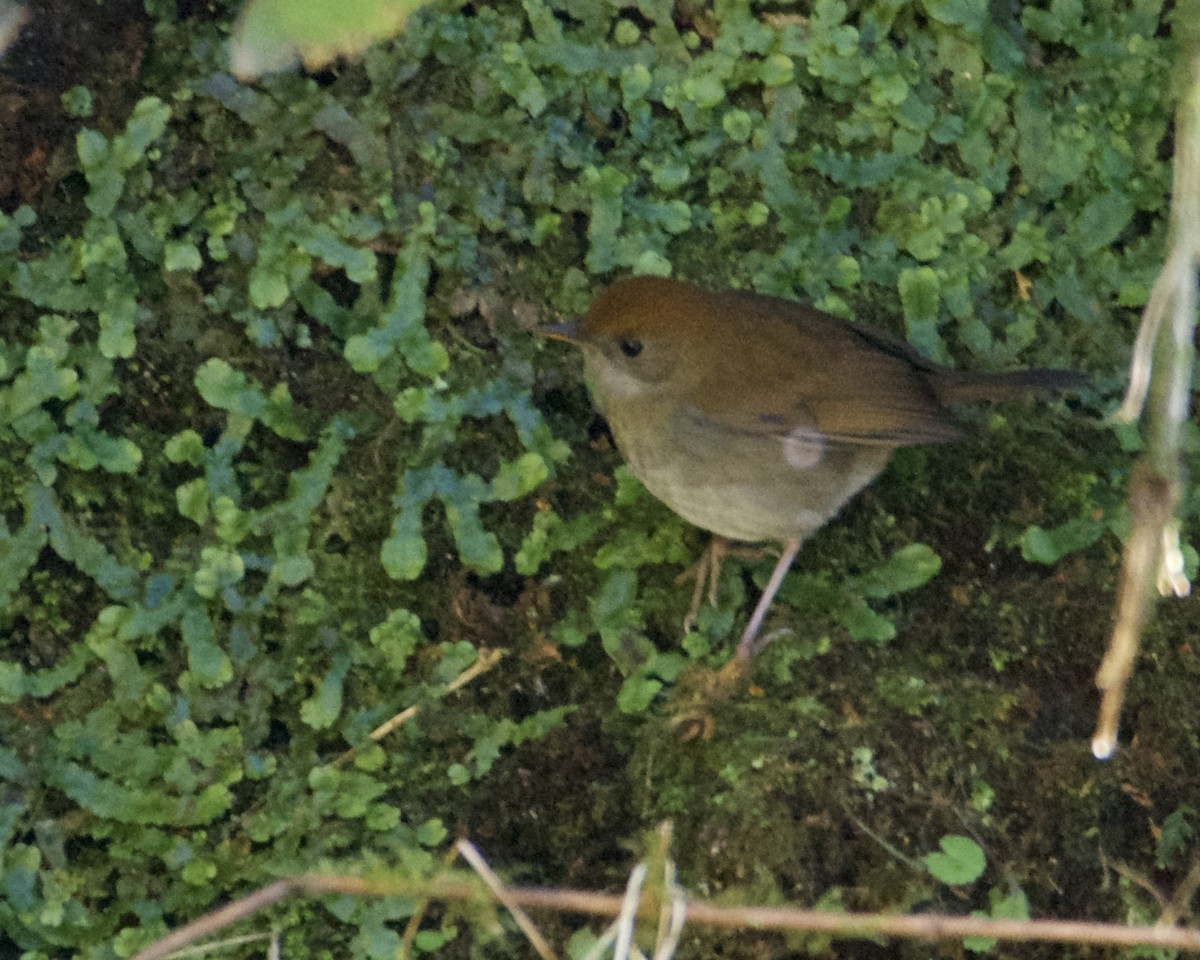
(742, 485)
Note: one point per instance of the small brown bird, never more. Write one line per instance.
(757, 418)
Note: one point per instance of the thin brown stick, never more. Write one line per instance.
(1180, 907)
(200, 949)
(930, 927)
(487, 659)
(915, 927)
(1141, 361)
(414, 922)
(468, 852)
(1152, 503)
(218, 920)
(631, 903)
(888, 848)
(1140, 880)
(1160, 389)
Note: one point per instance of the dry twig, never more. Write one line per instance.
(468, 852)
(487, 659)
(1160, 386)
(930, 927)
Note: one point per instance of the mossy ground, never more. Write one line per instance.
(346, 432)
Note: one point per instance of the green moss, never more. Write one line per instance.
(282, 457)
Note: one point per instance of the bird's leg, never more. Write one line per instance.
(748, 646)
(704, 688)
(707, 573)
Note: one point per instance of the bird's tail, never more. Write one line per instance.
(959, 387)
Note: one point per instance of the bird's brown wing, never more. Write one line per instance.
(815, 373)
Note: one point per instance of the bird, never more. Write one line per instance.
(756, 417)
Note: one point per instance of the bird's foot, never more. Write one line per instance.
(700, 690)
(707, 572)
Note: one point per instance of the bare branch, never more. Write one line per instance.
(1160, 382)
(930, 927)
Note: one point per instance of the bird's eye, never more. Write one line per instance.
(631, 348)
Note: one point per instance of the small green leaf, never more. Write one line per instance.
(1056, 24)
(637, 693)
(605, 186)
(1177, 833)
(550, 534)
(403, 554)
(921, 297)
(360, 265)
(365, 352)
(191, 500)
(969, 14)
(518, 477)
(224, 387)
(187, 446)
(758, 213)
(198, 872)
(960, 861)
(478, 548)
(92, 147)
(704, 90)
(280, 414)
(146, 124)
(293, 570)
(402, 327)
(397, 638)
(321, 709)
(906, 569)
(1001, 906)
(78, 102)
(1039, 545)
(218, 569)
(626, 33)
(635, 83)
(776, 70)
(268, 288)
(611, 605)
(738, 125)
(863, 623)
(671, 174)
(206, 660)
(18, 553)
(117, 317)
(1102, 220)
(181, 255)
(88, 448)
(432, 832)
(233, 523)
(652, 263)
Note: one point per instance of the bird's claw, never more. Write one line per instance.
(702, 689)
